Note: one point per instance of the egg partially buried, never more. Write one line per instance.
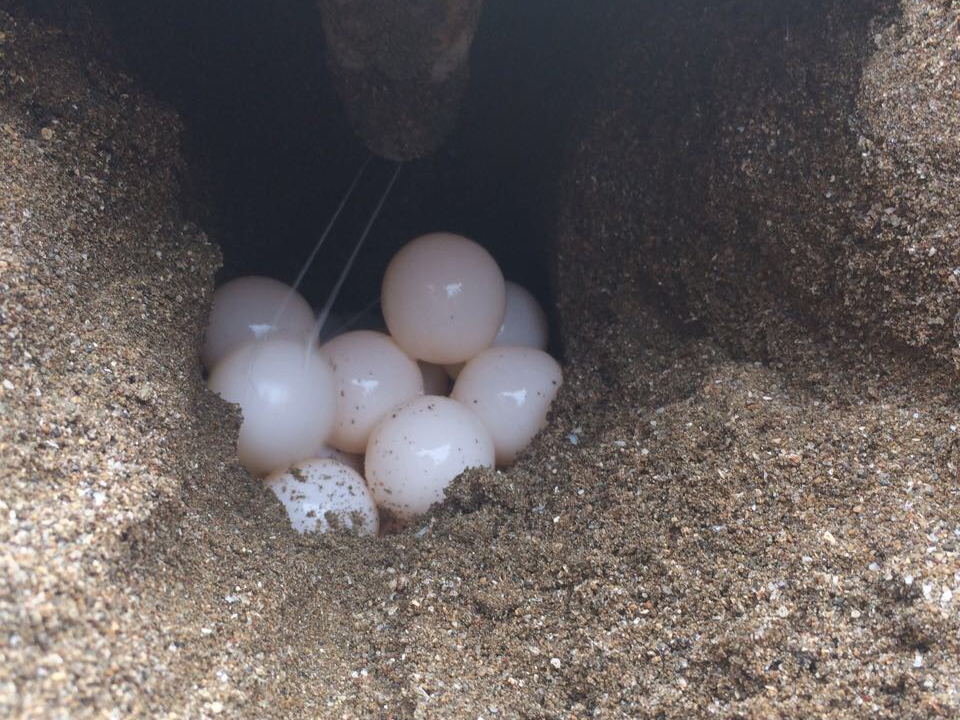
(285, 391)
(510, 389)
(325, 496)
(418, 449)
(373, 376)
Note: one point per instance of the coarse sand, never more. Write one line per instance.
(746, 503)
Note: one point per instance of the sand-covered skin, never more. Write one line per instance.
(745, 505)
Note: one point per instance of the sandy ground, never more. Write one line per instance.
(746, 504)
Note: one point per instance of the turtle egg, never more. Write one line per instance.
(373, 376)
(286, 394)
(525, 322)
(321, 495)
(510, 389)
(443, 298)
(250, 308)
(418, 449)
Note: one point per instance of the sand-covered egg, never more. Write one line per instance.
(285, 389)
(418, 449)
(510, 389)
(323, 495)
(372, 376)
(251, 308)
(443, 298)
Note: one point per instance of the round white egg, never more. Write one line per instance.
(250, 308)
(373, 376)
(285, 390)
(443, 298)
(323, 495)
(510, 389)
(418, 449)
(525, 322)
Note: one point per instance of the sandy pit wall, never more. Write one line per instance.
(746, 504)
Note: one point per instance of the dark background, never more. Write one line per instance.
(266, 130)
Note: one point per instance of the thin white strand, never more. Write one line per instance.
(308, 263)
(325, 312)
(347, 324)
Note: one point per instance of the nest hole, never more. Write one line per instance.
(274, 154)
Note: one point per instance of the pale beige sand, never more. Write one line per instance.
(746, 504)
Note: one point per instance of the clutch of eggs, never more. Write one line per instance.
(363, 421)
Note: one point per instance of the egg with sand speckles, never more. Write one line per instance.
(323, 495)
(373, 376)
(418, 449)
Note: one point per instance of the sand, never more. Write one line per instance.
(745, 504)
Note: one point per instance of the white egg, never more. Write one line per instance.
(443, 298)
(373, 376)
(435, 380)
(354, 461)
(418, 449)
(286, 394)
(510, 389)
(323, 495)
(525, 322)
(250, 308)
